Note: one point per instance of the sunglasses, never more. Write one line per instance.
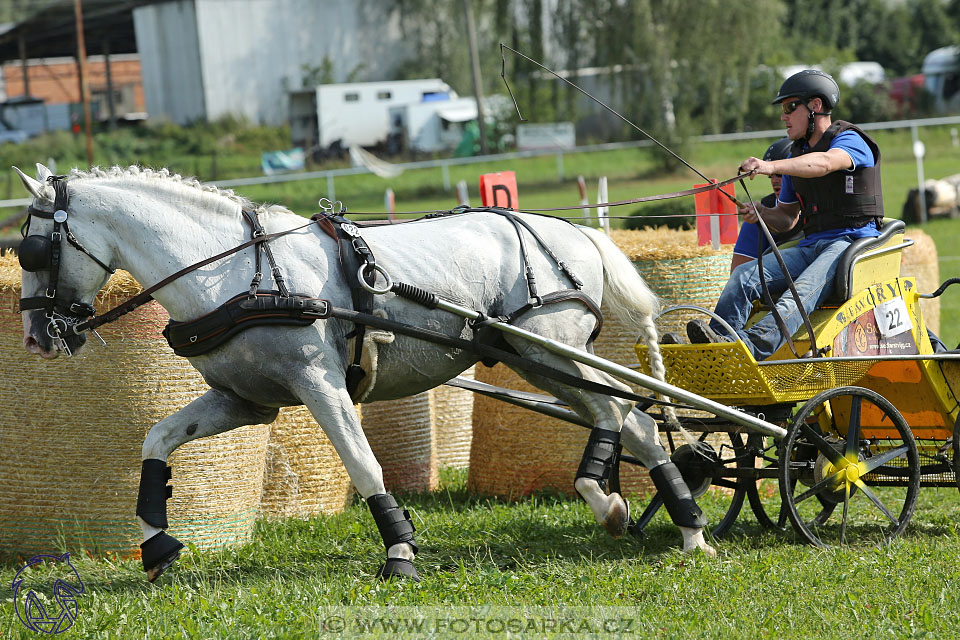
(790, 107)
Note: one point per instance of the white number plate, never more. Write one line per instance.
(892, 317)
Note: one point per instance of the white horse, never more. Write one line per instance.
(153, 224)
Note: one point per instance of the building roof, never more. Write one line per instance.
(50, 32)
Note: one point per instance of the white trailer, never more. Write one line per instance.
(941, 72)
(435, 125)
(356, 113)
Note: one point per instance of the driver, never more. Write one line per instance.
(750, 238)
(833, 175)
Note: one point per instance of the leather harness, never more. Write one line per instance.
(356, 259)
(281, 308)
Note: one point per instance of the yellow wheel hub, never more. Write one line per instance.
(852, 472)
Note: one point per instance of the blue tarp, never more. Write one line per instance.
(272, 162)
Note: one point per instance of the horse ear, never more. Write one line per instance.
(39, 190)
(43, 173)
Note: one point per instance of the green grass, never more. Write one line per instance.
(544, 551)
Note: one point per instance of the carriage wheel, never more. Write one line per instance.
(835, 483)
(701, 472)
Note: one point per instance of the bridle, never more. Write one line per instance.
(44, 253)
(72, 317)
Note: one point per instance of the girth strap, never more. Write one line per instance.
(354, 252)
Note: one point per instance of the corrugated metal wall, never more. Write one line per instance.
(208, 58)
(169, 60)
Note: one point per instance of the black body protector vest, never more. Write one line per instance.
(840, 199)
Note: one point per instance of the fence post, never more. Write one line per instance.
(602, 198)
(463, 196)
(918, 152)
(331, 191)
(389, 201)
(582, 186)
(445, 168)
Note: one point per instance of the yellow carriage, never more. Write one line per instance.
(870, 409)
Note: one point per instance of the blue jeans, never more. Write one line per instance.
(812, 267)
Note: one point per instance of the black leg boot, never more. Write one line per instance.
(162, 550)
(395, 527)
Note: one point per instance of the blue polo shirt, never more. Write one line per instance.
(855, 146)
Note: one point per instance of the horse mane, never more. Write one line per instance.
(229, 202)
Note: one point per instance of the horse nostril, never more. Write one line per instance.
(31, 344)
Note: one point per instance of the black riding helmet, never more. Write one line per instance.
(807, 85)
(779, 150)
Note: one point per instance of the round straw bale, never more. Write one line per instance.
(454, 427)
(304, 475)
(71, 433)
(920, 261)
(400, 433)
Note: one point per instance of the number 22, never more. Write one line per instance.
(894, 317)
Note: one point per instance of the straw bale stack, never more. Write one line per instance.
(401, 435)
(677, 270)
(516, 451)
(454, 423)
(304, 475)
(920, 261)
(71, 433)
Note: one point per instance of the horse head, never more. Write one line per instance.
(58, 283)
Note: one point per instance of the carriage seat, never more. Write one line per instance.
(869, 261)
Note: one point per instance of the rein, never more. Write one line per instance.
(147, 295)
(91, 322)
(618, 203)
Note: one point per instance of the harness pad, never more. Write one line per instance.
(196, 337)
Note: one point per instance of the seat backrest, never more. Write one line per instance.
(869, 261)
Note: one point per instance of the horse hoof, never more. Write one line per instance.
(707, 550)
(397, 568)
(159, 553)
(693, 541)
(617, 518)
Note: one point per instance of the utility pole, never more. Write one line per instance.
(84, 88)
(475, 67)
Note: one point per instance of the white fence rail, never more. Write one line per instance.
(445, 164)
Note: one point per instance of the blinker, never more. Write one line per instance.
(34, 253)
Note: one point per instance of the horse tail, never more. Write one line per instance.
(632, 301)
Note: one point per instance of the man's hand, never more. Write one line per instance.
(755, 166)
(749, 211)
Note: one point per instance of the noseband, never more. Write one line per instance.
(42, 253)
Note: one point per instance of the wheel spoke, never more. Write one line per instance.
(726, 484)
(824, 514)
(853, 429)
(655, 503)
(846, 505)
(824, 447)
(817, 488)
(875, 500)
(782, 518)
(871, 464)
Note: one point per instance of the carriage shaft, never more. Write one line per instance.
(705, 404)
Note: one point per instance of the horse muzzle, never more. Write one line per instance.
(49, 337)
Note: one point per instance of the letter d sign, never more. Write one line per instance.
(499, 190)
